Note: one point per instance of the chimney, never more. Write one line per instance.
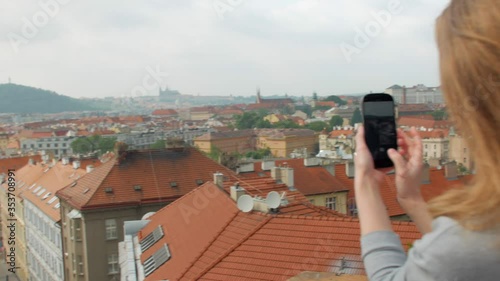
(236, 192)
(276, 173)
(90, 168)
(310, 162)
(76, 164)
(287, 177)
(451, 170)
(267, 165)
(245, 167)
(31, 161)
(349, 169)
(330, 168)
(219, 180)
(65, 160)
(45, 158)
(425, 174)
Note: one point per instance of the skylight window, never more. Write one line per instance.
(86, 190)
(73, 184)
(108, 190)
(36, 189)
(52, 200)
(40, 192)
(157, 259)
(33, 185)
(46, 195)
(173, 184)
(57, 206)
(151, 239)
(199, 181)
(137, 187)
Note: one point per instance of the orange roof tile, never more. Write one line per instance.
(338, 133)
(16, 163)
(52, 180)
(437, 185)
(153, 170)
(215, 241)
(167, 112)
(308, 180)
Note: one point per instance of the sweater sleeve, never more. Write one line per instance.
(429, 258)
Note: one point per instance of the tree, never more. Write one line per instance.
(336, 99)
(159, 144)
(318, 126)
(356, 117)
(286, 124)
(439, 114)
(336, 120)
(94, 143)
(247, 120)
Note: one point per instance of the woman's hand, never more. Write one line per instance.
(408, 164)
(363, 163)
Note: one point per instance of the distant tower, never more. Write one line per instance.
(259, 99)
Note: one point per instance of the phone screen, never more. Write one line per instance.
(380, 130)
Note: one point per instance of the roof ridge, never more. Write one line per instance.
(233, 247)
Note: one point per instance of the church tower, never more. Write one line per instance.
(259, 99)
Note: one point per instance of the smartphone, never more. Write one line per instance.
(380, 127)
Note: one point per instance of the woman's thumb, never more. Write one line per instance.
(396, 158)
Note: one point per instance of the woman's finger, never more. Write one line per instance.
(415, 149)
(398, 160)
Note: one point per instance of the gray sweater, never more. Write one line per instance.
(448, 253)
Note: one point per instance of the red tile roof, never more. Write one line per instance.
(434, 134)
(213, 240)
(414, 107)
(153, 170)
(437, 185)
(338, 133)
(167, 112)
(422, 121)
(16, 163)
(52, 180)
(308, 180)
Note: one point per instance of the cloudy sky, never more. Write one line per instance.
(218, 47)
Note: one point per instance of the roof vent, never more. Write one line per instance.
(137, 187)
(108, 190)
(74, 184)
(76, 164)
(86, 190)
(173, 184)
(199, 181)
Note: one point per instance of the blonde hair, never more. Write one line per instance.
(468, 38)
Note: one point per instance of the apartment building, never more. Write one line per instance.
(125, 188)
(416, 94)
(57, 146)
(25, 177)
(338, 144)
(435, 146)
(43, 220)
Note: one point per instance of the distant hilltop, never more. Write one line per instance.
(169, 93)
(24, 99)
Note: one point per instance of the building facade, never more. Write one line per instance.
(57, 146)
(416, 94)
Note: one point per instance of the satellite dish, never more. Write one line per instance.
(146, 216)
(273, 199)
(245, 203)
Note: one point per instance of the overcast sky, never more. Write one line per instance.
(218, 47)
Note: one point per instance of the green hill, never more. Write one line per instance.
(23, 99)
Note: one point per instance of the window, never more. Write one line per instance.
(435, 154)
(111, 229)
(80, 264)
(64, 144)
(56, 145)
(331, 203)
(311, 201)
(39, 145)
(78, 232)
(32, 145)
(465, 160)
(465, 150)
(48, 145)
(434, 146)
(113, 264)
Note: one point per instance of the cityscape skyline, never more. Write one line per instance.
(220, 47)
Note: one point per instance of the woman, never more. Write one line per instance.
(462, 227)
